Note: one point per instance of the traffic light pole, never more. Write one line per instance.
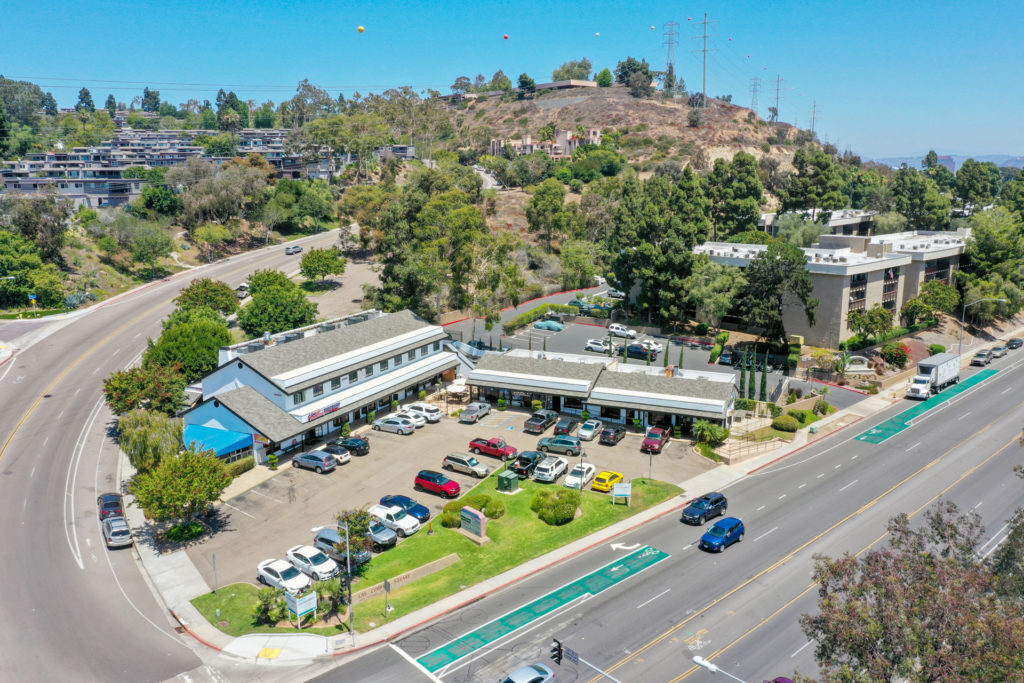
(558, 650)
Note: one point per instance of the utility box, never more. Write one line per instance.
(508, 482)
(796, 339)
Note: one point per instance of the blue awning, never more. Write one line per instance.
(220, 440)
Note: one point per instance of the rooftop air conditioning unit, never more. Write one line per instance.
(327, 327)
(253, 348)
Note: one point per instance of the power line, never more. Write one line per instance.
(671, 40)
(778, 97)
(705, 50)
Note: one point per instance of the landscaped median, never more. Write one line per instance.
(518, 536)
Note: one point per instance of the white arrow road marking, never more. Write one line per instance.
(622, 546)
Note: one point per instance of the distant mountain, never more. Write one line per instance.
(957, 160)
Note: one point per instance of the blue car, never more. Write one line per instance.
(724, 533)
(552, 325)
(416, 510)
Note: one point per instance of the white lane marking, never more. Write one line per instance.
(70, 484)
(759, 509)
(45, 440)
(137, 336)
(978, 505)
(242, 511)
(258, 493)
(914, 446)
(820, 475)
(849, 485)
(77, 390)
(654, 598)
(837, 466)
(801, 649)
(9, 366)
(994, 536)
(853, 458)
(60, 415)
(765, 534)
(415, 663)
(782, 496)
(687, 547)
(33, 473)
(88, 541)
(95, 370)
(965, 415)
(24, 504)
(114, 353)
(1006, 390)
(801, 486)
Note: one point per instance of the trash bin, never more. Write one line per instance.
(814, 429)
(508, 481)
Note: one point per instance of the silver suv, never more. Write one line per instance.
(318, 461)
(467, 464)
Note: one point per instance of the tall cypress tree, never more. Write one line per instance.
(764, 383)
(743, 376)
(753, 375)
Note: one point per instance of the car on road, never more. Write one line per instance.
(354, 445)
(589, 430)
(1014, 343)
(613, 293)
(531, 673)
(580, 475)
(395, 518)
(312, 562)
(395, 425)
(467, 464)
(495, 447)
(540, 421)
(282, 575)
(566, 426)
(415, 418)
(620, 330)
(597, 345)
(549, 325)
(116, 532)
(612, 434)
(998, 351)
(606, 481)
(639, 352)
(982, 358)
(110, 505)
(293, 249)
(474, 411)
(328, 540)
(722, 534)
(704, 508)
(435, 482)
(550, 468)
(420, 512)
(652, 345)
(526, 463)
(318, 461)
(428, 412)
(655, 440)
(566, 445)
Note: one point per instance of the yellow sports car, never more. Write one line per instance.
(605, 481)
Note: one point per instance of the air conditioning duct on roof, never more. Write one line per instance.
(253, 348)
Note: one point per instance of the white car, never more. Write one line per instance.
(550, 468)
(415, 418)
(312, 562)
(598, 345)
(396, 519)
(651, 345)
(280, 574)
(394, 424)
(580, 475)
(589, 430)
(616, 293)
(620, 330)
(425, 410)
(474, 411)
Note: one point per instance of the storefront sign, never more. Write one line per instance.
(259, 438)
(326, 410)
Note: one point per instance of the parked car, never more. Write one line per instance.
(328, 540)
(526, 463)
(282, 575)
(435, 482)
(293, 249)
(566, 426)
(612, 434)
(467, 464)
(639, 352)
(652, 345)
(395, 518)
(566, 445)
(381, 536)
(396, 425)
(353, 445)
(312, 562)
(1014, 343)
(655, 440)
(318, 461)
(589, 430)
(998, 351)
(597, 345)
(620, 330)
(110, 505)
(722, 534)
(420, 512)
(415, 418)
(726, 358)
(704, 508)
(428, 412)
(550, 468)
(531, 673)
(474, 411)
(606, 481)
(116, 532)
(540, 421)
(495, 447)
(981, 358)
(580, 304)
(580, 475)
(615, 293)
(550, 325)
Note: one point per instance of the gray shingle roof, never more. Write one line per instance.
(262, 414)
(543, 367)
(660, 384)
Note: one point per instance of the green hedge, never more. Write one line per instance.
(722, 338)
(451, 520)
(856, 342)
(801, 415)
(702, 329)
(785, 423)
(716, 351)
(556, 506)
(239, 467)
(775, 409)
(936, 348)
(537, 313)
(745, 404)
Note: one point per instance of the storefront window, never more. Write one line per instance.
(335, 383)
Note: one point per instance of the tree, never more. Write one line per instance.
(938, 296)
(919, 200)
(462, 84)
(977, 184)
(150, 243)
(49, 104)
(191, 347)
(797, 230)
(317, 264)
(147, 437)
(275, 310)
(85, 102)
(527, 85)
(763, 392)
(5, 130)
(264, 280)
(150, 100)
(742, 386)
(205, 292)
(576, 70)
(158, 388)
(694, 119)
(161, 199)
(712, 289)
(210, 236)
(499, 81)
(915, 310)
(777, 277)
(358, 523)
(816, 185)
(181, 488)
(545, 208)
(578, 265)
(736, 193)
(264, 117)
(605, 78)
(996, 244)
(625, 69)
(41, 217)
(640, 85)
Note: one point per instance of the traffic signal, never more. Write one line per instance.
(556, 651)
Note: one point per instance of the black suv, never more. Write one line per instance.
(566, 426)
(638, 351)
(526, 463)
(612, 434)
(353, 444)
(704, 508)
(540, 421)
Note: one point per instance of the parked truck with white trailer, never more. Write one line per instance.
(935, 374)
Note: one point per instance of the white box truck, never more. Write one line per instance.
(935, 374)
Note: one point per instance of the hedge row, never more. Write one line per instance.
(491, 507)
(716, 351)
(537, 313)
(785, 423)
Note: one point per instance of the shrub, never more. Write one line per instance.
(536, 405)
(346, 429)
(775, 409)
(799, 392)
(477, 502)
(422, 394)
(185, 531)
(450, 520)
(702, 329)
(821, 406)
(556, 506)
(557, 515)
(790, 398)
(716, 351)
(936, 348)
(266, 610)
(495, 509)
(371, 416)
(272, 461)
(502, 404)
(722, 338)
(801, 416)
(785, 423)
(240, 467)
(895, 353)
(537, 313)
(745, 404)
(793, 360)
(598, 313)
(585, 415)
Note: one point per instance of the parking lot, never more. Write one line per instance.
(265, 521)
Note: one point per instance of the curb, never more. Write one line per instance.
(184, 625)
(809, 443)
(5, 360)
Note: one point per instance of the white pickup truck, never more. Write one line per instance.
(395, 518)
(935, 374)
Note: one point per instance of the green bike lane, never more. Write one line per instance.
(592, 584)
(884, 431)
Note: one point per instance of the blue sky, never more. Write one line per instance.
(889, 79)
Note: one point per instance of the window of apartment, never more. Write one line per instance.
(423, 350)
(412, 355)
(397, 360)
(318, 390)
(299, 397)
(384, 365)
(437, 346)
(368, 371)
(335, 383)
(858, 279)
(353, 377)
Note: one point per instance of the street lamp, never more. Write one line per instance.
(963, 314)
(348, 569)
(701, 662)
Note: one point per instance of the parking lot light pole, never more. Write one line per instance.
(963, 315)
(348, 570)
(701, 662)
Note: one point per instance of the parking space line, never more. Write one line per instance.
(258, 493)
(237, 510)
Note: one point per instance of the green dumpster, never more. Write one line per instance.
(508, 481)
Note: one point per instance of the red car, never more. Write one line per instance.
(435, 482)
(655, 440)
(496, 447)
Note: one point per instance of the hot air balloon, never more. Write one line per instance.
(361, 29)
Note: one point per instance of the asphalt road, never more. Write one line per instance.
(71, 609)
(740, 608)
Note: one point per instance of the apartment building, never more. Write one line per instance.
(562, 147)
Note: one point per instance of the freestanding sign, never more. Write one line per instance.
(474, 522)
(622, 491)
(301, 605)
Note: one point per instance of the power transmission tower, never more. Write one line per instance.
(755, 88)
(814, 114)
(778, 96)
(705, 50)
(671, 40)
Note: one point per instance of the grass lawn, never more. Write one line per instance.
(235, 603)
(767, 433)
